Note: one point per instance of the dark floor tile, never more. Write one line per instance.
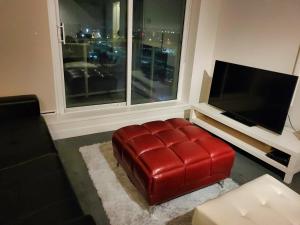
(245, 169)
(78, 174)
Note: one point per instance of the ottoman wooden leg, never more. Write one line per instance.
(151, 210)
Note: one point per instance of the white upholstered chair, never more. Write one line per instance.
(263, 201)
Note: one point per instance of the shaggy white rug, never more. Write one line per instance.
(123, 203)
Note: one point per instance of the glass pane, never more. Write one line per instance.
(157, 38)
(95, 51)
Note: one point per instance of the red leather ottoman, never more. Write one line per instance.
(165, 159)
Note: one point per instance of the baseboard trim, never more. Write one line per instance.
(61, 127)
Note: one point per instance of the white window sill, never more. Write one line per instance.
(73, 124)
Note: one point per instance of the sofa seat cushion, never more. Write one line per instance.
(35, 187)
(57, 213)
(24, 139)
(83, 220)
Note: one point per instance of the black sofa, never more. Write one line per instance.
(34, 188)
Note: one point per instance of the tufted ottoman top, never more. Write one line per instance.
(177, 140)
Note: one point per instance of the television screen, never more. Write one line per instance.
(252, 95)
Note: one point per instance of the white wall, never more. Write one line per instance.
(295, 108)
(25, 51)
(190, 49)
(205, 44)
(260, 33)
(263, 34)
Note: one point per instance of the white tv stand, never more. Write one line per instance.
(255, 140)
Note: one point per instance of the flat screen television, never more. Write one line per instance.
(252, 96)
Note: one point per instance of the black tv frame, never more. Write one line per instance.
(248, 121)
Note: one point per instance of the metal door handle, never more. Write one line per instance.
(62, 33)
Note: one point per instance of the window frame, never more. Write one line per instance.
(57, 60)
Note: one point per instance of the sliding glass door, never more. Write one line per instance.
(157, 38)
(94, 47)
(95, 50)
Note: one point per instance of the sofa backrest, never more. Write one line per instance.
(19, 106)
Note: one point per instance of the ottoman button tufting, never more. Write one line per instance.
(166, 159)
